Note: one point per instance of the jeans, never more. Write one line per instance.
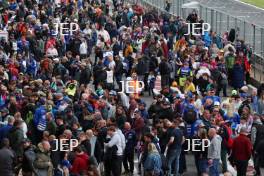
(118, 79)
(224, 159)
(213, 169)
(203, 165)
(173, 155)
(196, 160)
(129, 159)
(241, 166)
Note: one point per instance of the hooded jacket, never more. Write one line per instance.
(80, 164)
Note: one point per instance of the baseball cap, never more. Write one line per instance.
(217, 103)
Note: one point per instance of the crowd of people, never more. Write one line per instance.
(64, 100)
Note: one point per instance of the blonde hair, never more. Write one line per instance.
(230, 109)
(152, 148)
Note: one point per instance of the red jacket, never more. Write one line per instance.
(242, 148)
(80, 164)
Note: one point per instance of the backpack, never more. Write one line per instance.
(189, 115)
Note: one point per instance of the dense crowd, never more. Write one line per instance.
(66, 112)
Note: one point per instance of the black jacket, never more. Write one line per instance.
(118, 68)
(29, 157)
(260, 153)
(164, 68)
(85, 76)
(16, 137)
(7, 159)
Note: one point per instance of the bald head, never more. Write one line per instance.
(46, 145)
(211, 132)
(89, 134)
(127, 126)
(11, 120)
(68, 134)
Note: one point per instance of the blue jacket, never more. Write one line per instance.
(235, 119)
(214, 98)
(4, 131)
(32, 66)
(22, 46)
(39, 113)
(193, 128)
(153, 163)
(207, 39)
(238, 76)
(131, 141)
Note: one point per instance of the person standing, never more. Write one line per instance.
(131, 142)
(214, 152)
(43, 162)
(7, 159)
(153, 163)
(80, 163)
(115, 146)
(16, 137)
(241, 152)
(174, 146)
(164, 72)
(28, 159)
(260, 153)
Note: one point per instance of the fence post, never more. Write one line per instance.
(262, 42)
(201, 12)
(206, 20)
(173, 7)
(244, 34)
(212, 18)
(254, 37)
(216, 15)
(227, 21)
(236, 28)
(220, 22)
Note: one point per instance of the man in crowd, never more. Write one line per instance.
(214, 152)
(241, 152)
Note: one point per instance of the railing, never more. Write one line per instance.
(221, 22)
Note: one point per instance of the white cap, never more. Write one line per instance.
(217, 103)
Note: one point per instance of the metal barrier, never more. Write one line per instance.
(253, 35)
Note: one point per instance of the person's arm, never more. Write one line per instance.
(74, 168)
(171, 140)
(40, 164)
(112, 142)
(249, 149)
(253, 135)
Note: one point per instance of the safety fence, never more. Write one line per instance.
(220, 22)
